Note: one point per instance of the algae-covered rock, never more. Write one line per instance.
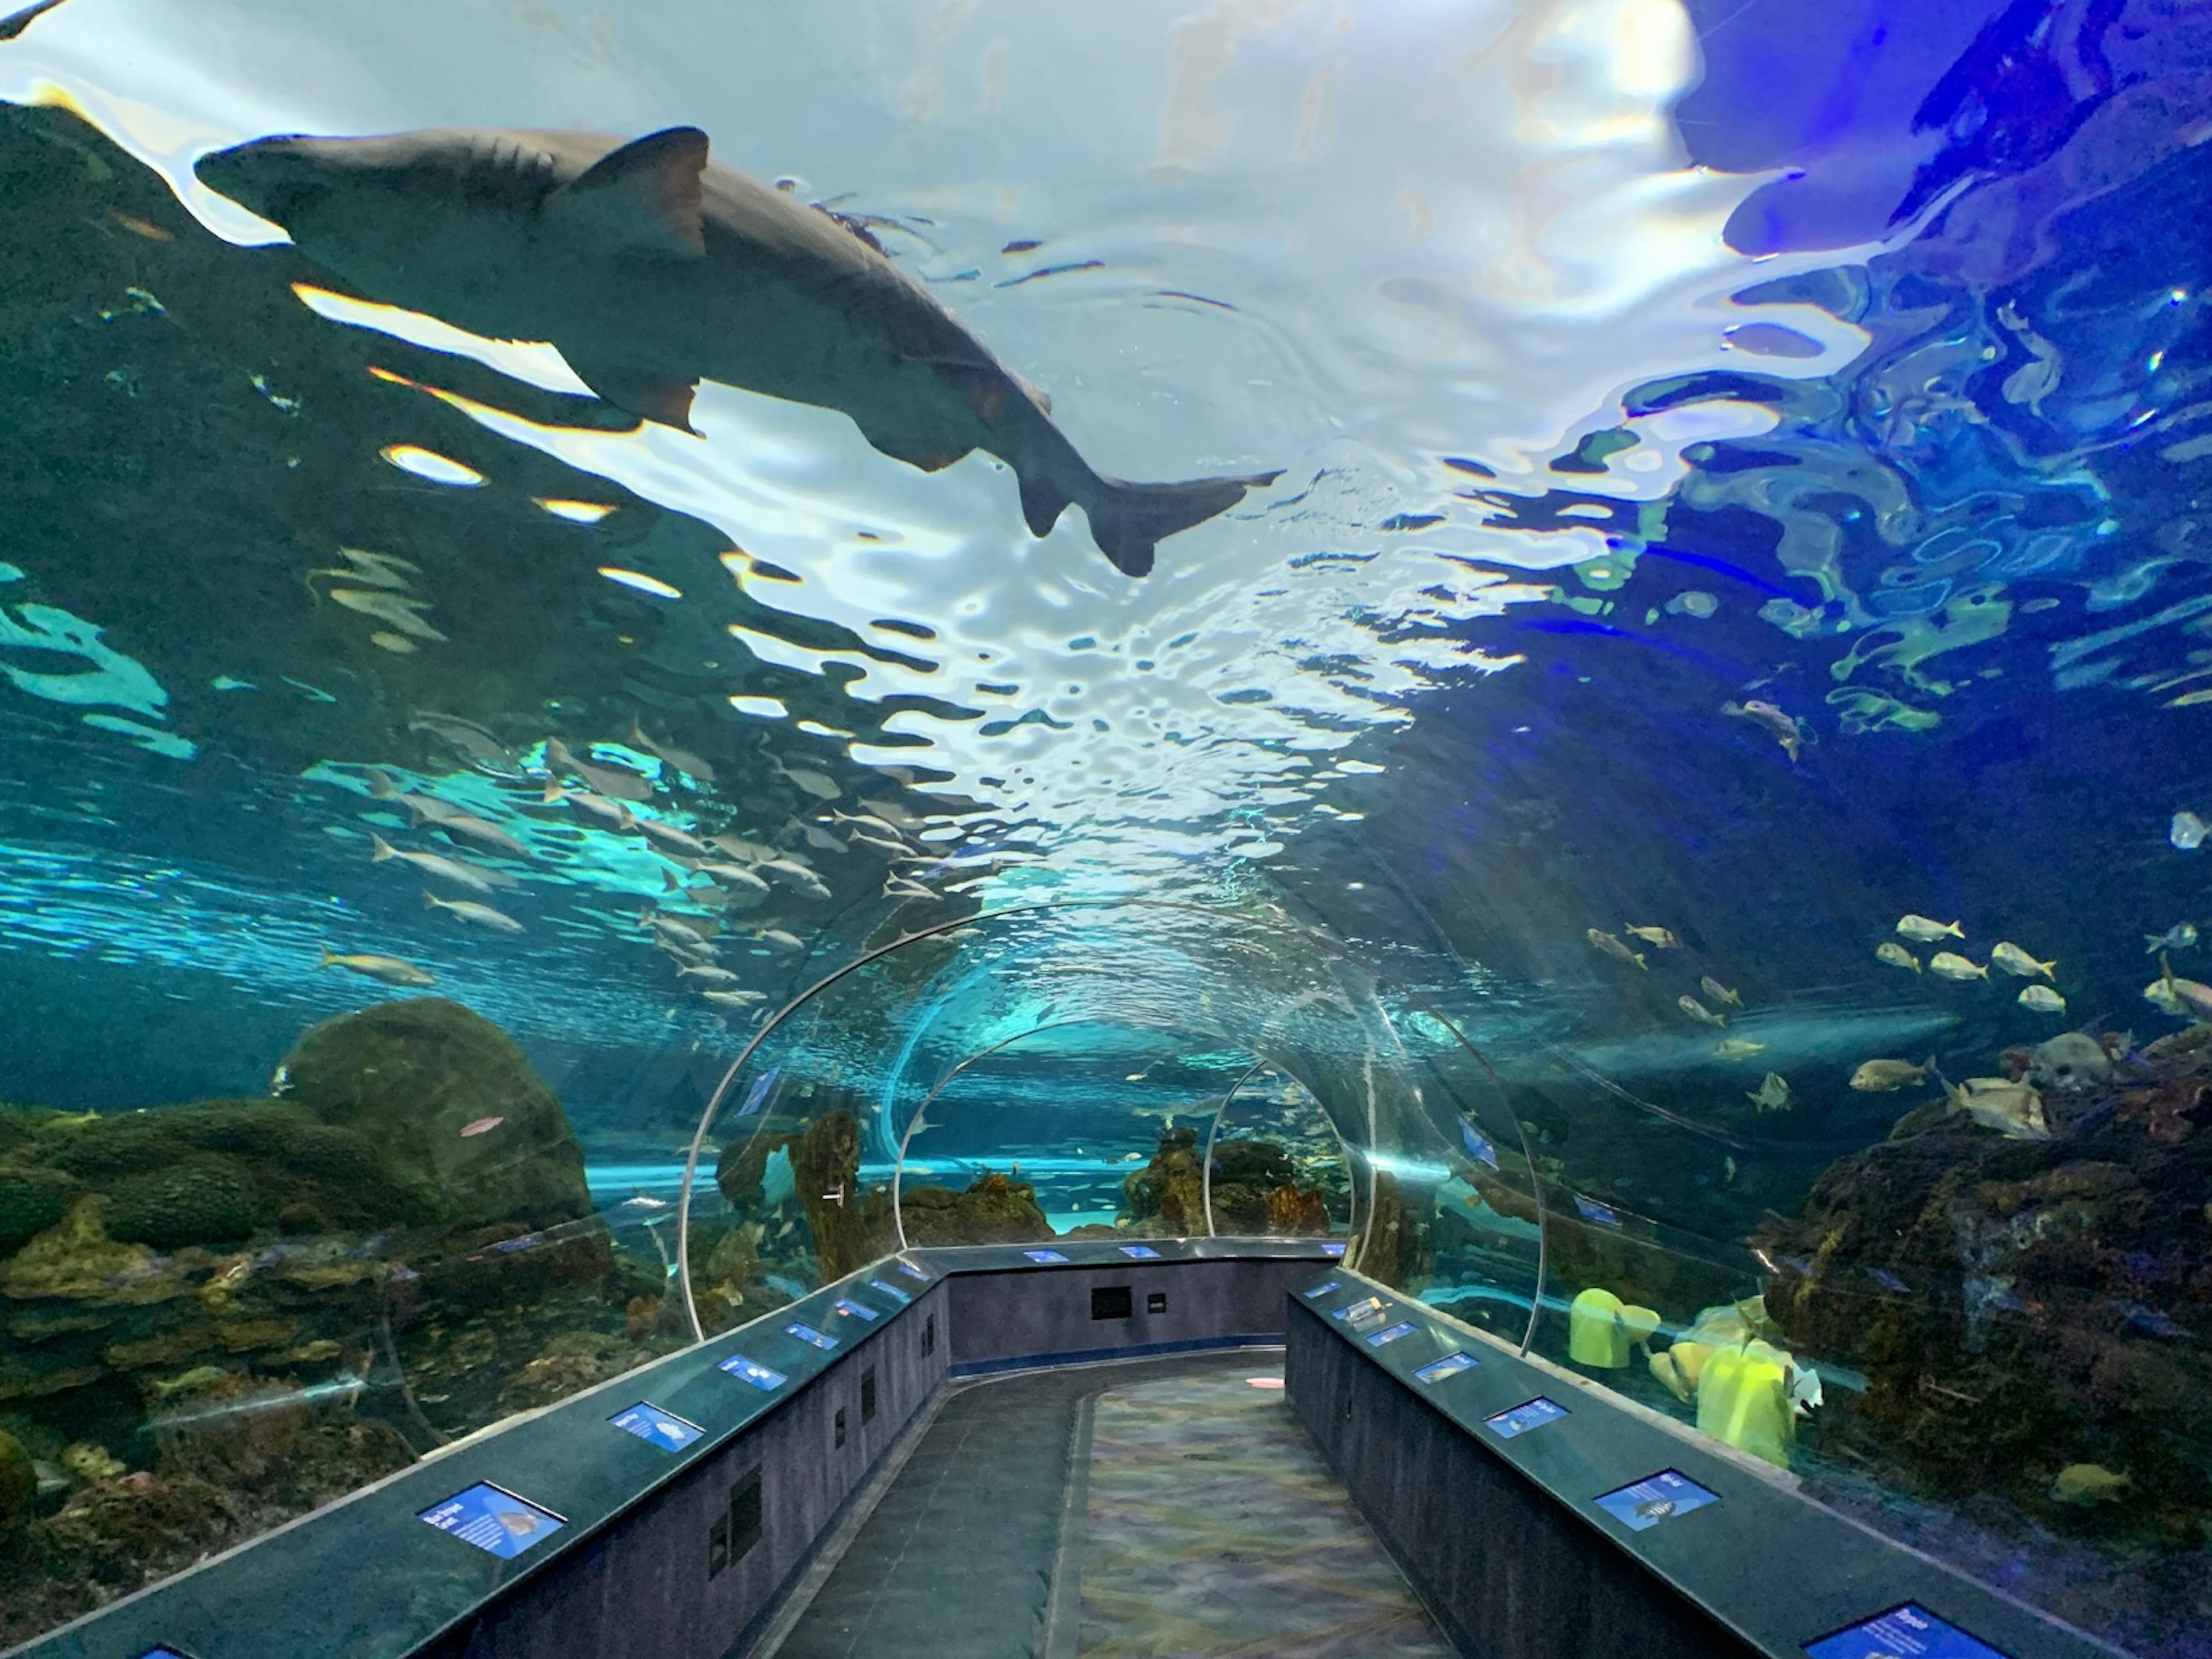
(1168, 1195)
(32, 1201)
(995, 1209)
(201, 1201)
(19, 1488)
(453, 1107)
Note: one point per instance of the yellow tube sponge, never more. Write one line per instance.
(1690, 1360)
(1639, 1322)
(1595, 1335)
(1743, 1398)
(1662, 1367)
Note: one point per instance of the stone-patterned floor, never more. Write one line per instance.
(1214, 1529)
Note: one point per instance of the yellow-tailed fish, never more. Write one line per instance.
(1950, 964)
(1698, 1011)
(1772, 1095)
(2010, 958)
(1657, 938)
(1924, 930)
(1896, 955)
(1612, 947)
(1719, 993)
(1878, 1077)
(1736, 1049)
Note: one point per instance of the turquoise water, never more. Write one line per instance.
(1686, 575)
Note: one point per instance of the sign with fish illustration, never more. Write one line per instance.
(861, 1311)
(809, 1335)
(1528, 1415)
(493, 1519)
(1657, 1497)
(1321, 1291)
(1451, 1365)
(1390, 1333)
(912, 1271)
(753, 1371)
(657, 1427)
(1047, 1258)
(891, 1291)
(1910, 1632)
(1141, 1252)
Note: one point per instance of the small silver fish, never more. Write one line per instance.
(733, 998)
(2043, 999)
(777, 937)
(1698, 1011)
(1781, 727)
(707, 974)
(615, 781)
(816, 784)
(1896, 955)
(1719, 993)
(1772, 1094)
(2013, 960)
(1950, 964)
(431, 863)
(1612, 947)
(482, 1125)
(1923, 930)
(674, 839)
(1658, 938)
(466, 826)
(2180, 936)
(482, 916)
(681, 933)
(689, 764)
(1877, 1077)
(402, 615)
(389, 969)
(592, 809)
(2187, 831)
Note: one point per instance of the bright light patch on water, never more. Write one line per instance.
(639, 581)
(429, 464)
(574, 512)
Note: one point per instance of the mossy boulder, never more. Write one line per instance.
(1168, 1195)
(996, 1209)
(32, 1201)
(457, 1117)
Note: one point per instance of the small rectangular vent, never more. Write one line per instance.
(1111, 1302)
(1156, 1302)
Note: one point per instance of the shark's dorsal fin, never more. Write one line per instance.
(642, 198)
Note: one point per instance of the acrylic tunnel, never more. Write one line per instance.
(1311, 828)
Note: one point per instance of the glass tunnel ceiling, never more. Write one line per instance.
(1710, 483)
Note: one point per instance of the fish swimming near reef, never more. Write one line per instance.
(1997, 1102)
(2016, 961)
(389, 969)
(2178, 996)
(1612, 947)
(618, 782)
(1878, 1077)
(592, 809)
(1657, 938)
(1772, 1094)
(1698, 1011)
(1736, 1049)
(1950, 964)
(483, 1125)
(649, 269)
(1925, 930)
(1896, 955)
(2043, 999)
(1720, 992)
(2180, 936)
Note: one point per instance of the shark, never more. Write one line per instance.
(651, 268)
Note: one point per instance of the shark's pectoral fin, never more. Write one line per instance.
(642, 198)
(651, 393)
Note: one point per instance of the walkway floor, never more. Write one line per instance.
(1154, 1509)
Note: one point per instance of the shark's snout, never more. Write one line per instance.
(272, 176)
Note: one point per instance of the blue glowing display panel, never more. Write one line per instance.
(1321, 1291)
(1451, 1365)
(912, 1271)
(1529, 1414)
(657, 1427)
(891, 1291)
(1389, 1334)
(806, 1333)
(1657, 1497)
(493, 1519)
(748, 1370)
(1478, 1144)
(853, 1309)
(162, 1653)
(1140, 1252)
(1908, 1632)
(1331, 1249)
(1044, 1256)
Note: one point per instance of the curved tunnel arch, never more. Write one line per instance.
(1373, 1107)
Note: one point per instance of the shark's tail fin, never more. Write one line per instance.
(1128, 520)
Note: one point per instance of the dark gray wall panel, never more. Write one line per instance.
(1006, 1317)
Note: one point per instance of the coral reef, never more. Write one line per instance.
(214, 1316)
(995, 1209)
(1167, 1197)
(2021, 1305)
(818, 1170)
